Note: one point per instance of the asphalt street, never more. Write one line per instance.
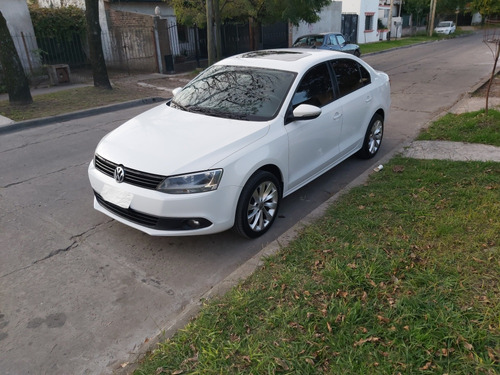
(82, 294)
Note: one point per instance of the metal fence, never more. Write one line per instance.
(124, 49)
(140, 49)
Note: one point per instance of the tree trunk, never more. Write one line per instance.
(497, 54)
(15, 79)
(210, 33)
(218, 33)
(99, 70)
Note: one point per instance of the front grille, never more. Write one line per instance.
(150, 221)
(132, 176)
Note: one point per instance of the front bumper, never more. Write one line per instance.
(160, 214)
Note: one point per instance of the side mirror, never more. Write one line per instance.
(304, 112)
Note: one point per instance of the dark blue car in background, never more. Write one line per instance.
(330, 41)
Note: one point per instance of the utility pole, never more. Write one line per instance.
(433, 13)
(210, 32)
(389, 20)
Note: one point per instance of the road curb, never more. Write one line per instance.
(30, 124)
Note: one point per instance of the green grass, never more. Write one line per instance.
(406, 41)
(473, 127)
(67, 101)
(401, 276)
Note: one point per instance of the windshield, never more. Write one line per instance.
(243, 93)
(444, 24)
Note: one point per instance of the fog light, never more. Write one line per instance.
(193, 223)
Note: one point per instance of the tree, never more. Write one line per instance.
(99, 70)
(15, 79)
(486, 7)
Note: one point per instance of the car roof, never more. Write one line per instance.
(322, 34)
(291, 59)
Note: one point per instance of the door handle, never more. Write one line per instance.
(337, 115)
(368, 99)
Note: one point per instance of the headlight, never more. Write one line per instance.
(192, 183)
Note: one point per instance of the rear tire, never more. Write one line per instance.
(373, 137)
(258, 205)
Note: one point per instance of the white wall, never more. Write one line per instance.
(330, 20)
(18, 20)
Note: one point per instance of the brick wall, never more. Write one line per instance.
(131, 38)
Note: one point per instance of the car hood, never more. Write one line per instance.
(168, 141)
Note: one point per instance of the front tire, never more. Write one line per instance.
(258, 205)
(373, 137)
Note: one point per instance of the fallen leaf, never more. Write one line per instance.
(282, 364)
(398, 169)
(382, 319)
(494, 355)
(364, 297)
(369, 339)
(426, 366)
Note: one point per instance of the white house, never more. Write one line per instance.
(391, 14)
(367, 10)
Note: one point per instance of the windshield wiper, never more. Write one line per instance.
(216, 112)
(179, 106)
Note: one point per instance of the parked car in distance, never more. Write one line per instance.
(329, 41)
(246, 132)
(445, 27)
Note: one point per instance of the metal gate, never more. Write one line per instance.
(349, 27)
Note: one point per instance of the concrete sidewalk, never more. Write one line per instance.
(457, 151)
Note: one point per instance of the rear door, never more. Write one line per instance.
(356, 99)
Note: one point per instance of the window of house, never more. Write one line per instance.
(369, 22)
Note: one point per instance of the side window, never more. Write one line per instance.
(366, 79)
(350, 75)
(315, 88)
(333, 40)
(341, 39)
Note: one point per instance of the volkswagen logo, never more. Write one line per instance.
(119, 174)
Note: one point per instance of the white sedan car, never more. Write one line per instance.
(233, 142)
(445, 27)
